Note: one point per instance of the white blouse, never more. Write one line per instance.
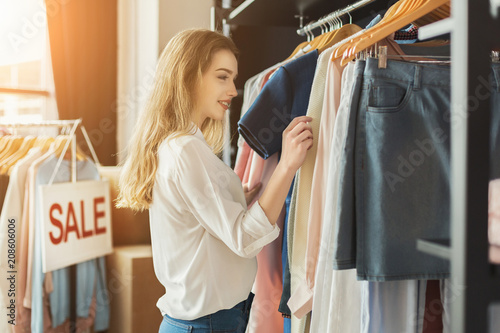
(203, 237)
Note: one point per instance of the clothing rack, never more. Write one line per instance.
(46, 123)
(74, 123)
(475, 283)
(60, 123)
(332, 17)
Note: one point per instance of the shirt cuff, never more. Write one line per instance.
(300, 302)
(260, 229)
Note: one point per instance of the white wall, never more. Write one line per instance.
(177, 15)
(144, 28)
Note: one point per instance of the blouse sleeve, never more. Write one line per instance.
(214, 196)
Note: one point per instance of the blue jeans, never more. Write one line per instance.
(233, 320)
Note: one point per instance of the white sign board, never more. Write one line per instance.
(76, 223)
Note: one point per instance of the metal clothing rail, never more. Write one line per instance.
(60, 123)
(332, 16)
(46, 123)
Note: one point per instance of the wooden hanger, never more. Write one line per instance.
(12, 146)
(408, 11)
(3, 142)
(316, 43)
(436, 15)
(327, 37)
(297, 49)
(344, 32)
(388, 14)
(57, 147)
(397, 8)
(44, 142)
(26, 145)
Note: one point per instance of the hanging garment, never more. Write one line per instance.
(396, 306)
(280, 85)
(268, 284)
(302, 294)
(23, 314)
(494, 94)
(264, 314)
(12, 214)
(394, 206)
(59, 297)
(337, 295)
(340, 303)
(311, 190)
(401, 172)
(286, 94)
(494, 221)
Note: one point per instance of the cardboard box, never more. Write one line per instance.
(133, 290)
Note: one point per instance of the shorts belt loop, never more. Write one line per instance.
(417, 77)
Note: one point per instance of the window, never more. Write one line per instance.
(26, 83)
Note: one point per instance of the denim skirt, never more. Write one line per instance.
(232, 320)
(394, 183)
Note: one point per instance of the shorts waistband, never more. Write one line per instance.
(417, 74)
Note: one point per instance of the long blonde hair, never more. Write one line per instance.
(168, 111)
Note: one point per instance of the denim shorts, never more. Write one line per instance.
(494, 94)
(232, 320)
(395, 172)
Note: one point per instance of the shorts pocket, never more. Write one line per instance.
(388, 97)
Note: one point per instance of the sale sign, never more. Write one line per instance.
(76, 223)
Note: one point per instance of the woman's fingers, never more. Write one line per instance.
(297, 120)
(303, 136)
(299, 128)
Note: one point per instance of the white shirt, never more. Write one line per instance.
(203, 237)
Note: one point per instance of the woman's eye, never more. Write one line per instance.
(223, 77)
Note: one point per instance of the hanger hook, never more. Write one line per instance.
(330, 23)
(325, 23)
(311, 35)
(350, 17)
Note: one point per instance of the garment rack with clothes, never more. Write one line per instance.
(475, 281)
(72, 125)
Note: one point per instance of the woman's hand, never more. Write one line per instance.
(250, 194)
(297, 140)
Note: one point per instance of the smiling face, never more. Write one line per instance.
(216, 88)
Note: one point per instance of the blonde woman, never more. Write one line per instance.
(204, 238)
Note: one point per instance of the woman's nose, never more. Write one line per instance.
(232, 90)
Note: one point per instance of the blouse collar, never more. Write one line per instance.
(198, 133)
